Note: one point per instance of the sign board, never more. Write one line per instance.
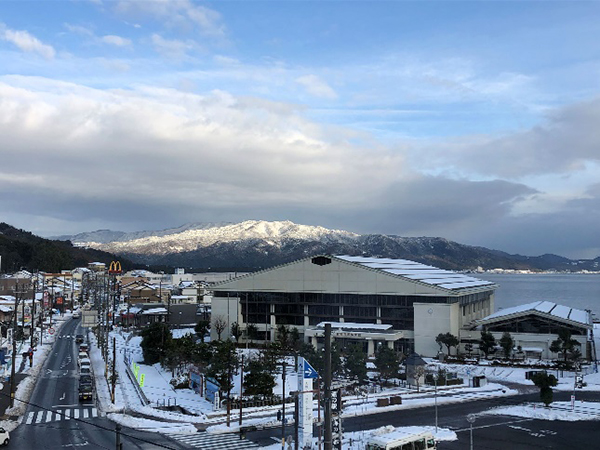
(89, 318)
(306, 374)
(50, 331)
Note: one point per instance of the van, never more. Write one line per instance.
(401, 440)
(4, 437)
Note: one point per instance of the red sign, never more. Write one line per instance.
(51, 330)
(59, 301)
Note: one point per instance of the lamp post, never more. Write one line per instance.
(471, 419)
(435, 380)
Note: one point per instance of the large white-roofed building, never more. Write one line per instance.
(534, 326)
(417, 301)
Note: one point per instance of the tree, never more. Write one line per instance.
(156, 338)
(387, 362)
(236, 331)
(259, 379)
(252, 331)
(202, 328)
(223, 361)
(447, 339)
(507, 343)
(545, 382)
(565, 344)
(487, 343)
(219, 324)
(356, 363)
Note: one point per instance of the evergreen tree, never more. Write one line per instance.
(236, 331)
(545, 382)
(156, 338)
(487, 343)
(202, 328)
(507, 343)
(259, 379)
(356, 363)
(565, 344)
(447, 339)
(223, 363)
(387, 362)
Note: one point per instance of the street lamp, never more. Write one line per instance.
(435, 380)
(471, 418)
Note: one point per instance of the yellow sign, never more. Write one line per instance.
(115, 267)
(142, 378)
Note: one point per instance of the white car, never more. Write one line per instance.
(4, 437)
(84, 362)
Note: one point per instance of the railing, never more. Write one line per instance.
(138, 389)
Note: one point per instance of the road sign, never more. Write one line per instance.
(89, 318)
(50, 330)
(309, 371)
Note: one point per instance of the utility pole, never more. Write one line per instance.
(296, 418)
(327, 386)
(283, 407)
(18, 293)
(118, 445)
(32, 313)
(241, 387)
(114, 371)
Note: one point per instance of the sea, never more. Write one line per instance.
(580, 291)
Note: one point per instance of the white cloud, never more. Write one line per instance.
(317, 87)
(116, 40)
(27, 42)
(178, 14)
(79, 29)
(172, 48)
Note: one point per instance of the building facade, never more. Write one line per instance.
(419, 300)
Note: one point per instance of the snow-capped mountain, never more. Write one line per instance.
(257, 244)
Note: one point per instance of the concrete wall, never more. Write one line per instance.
(432, 319)
(229, 310)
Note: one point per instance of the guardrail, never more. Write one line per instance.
(138, 389)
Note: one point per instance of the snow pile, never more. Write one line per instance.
(556, 411)
(151, 425)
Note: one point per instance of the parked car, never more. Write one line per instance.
(79, 339)
(4, 437)
(82, 355)
(86, 370)
(84, 362)
(83, 348)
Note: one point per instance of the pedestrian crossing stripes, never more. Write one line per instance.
(209, 441)
(60, 414)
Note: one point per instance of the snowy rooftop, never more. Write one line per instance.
(419, 272)
(155, 311)
(355, 326)
(558, 311)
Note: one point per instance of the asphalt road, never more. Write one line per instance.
(56, 420)
(489, 432)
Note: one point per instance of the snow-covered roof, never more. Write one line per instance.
(5, 309)
(355, 326)
(558, 312)
(155, 311)
(419, 272)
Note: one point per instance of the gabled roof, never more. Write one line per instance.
(420, 272)
(549, 310)
(431, 279)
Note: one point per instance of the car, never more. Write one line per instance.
(86, 370)
(79, 339)
(86, 379)
(76, 315)
(86, 392)
(84, 362)
(4, 436)
(83, 348)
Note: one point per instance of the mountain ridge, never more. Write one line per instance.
(255, 244)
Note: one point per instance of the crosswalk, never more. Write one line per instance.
(60, 414)
(209, 441)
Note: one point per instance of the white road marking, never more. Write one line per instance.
(30, 418)
(63, 396)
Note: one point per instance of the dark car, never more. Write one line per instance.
(79, 338)
(86, 392)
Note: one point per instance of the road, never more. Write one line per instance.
(489, 432)
(55, 419)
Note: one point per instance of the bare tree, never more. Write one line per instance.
(219, 324)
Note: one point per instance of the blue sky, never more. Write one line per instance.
(475, 121)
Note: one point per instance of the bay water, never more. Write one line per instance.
(580, 291)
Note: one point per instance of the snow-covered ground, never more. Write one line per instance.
(160, 393)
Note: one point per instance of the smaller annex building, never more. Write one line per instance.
(534, 326)
(395, 302)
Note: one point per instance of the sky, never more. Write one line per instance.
(476, 121)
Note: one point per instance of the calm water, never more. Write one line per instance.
(575, 290)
